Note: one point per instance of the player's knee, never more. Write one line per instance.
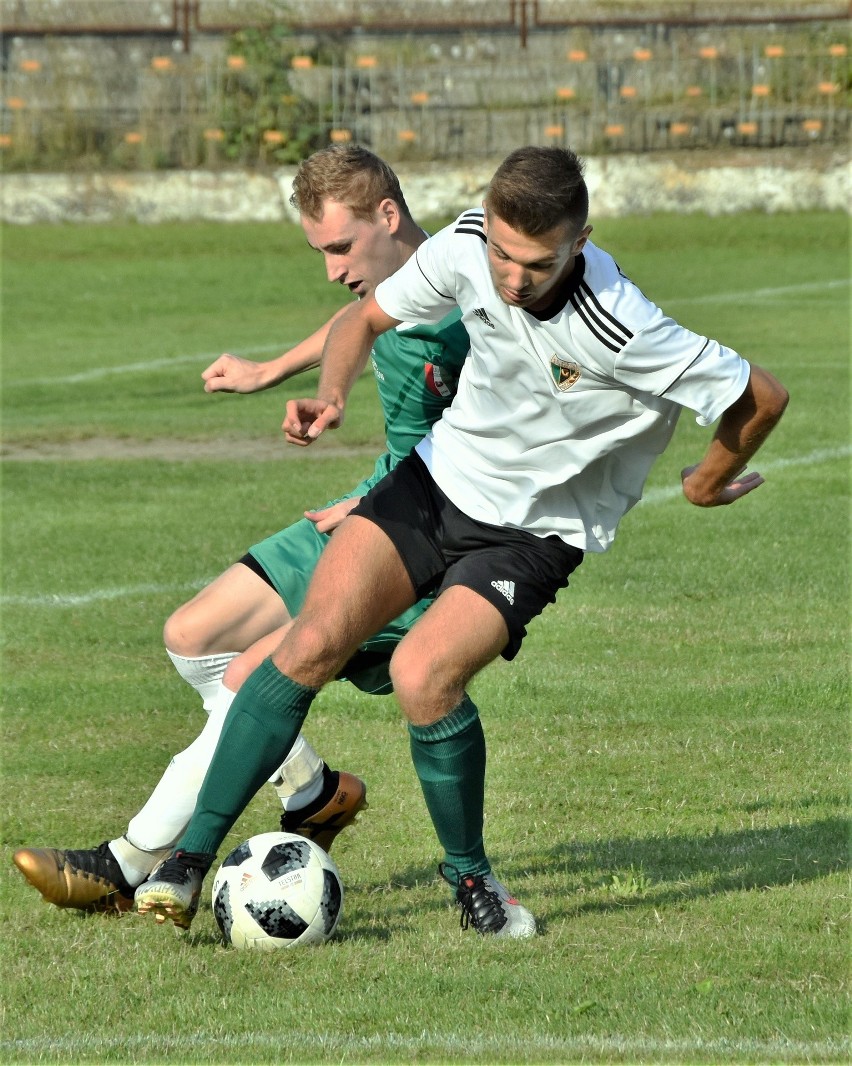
(420, 682)
(311, 652)
(181, 634)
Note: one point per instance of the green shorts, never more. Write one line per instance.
(289, 559)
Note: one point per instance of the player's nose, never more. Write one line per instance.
(335, 268)
(516, 277)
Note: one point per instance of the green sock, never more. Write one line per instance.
(260, 729)
(449, 757)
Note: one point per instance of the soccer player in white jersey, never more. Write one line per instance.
(573, 386)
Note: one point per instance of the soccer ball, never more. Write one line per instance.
(277, 890)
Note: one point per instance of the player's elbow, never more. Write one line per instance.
(768, 396)
(775, 402)
(782, 399)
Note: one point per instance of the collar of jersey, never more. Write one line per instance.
(564, 293)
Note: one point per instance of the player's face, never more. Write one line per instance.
(358, 253)
(526, 271)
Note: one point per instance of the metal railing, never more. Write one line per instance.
(182, 19)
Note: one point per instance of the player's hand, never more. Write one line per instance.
(232, 373)
(738, 486)
(307, 419)
(329, 518)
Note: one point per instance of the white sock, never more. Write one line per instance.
(299, 780)
(166, 814)
(203, 672)
(136, 864)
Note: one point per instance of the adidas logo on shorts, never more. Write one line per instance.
(505, 588)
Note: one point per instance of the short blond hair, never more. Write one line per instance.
(349, 174)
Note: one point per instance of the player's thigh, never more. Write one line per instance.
(359, 585)
(230, 614)
(455, 638)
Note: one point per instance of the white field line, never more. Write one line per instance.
(340, 1046)
(202, 359)
(83, 599)
(205, 358)
(745, 296)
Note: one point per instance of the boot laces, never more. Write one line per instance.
(99, 864)
(178, 868)
(481, 907)
(94, 860)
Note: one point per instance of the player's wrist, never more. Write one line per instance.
(702, 488)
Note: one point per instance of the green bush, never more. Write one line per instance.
(259, 105)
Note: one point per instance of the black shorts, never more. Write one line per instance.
(440, 546)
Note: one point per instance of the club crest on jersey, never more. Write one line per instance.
(565, 373)
(435, 382)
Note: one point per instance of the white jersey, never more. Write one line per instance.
(557, 420)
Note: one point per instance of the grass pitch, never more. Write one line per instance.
(668, 757)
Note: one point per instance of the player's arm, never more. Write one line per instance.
(743, 427)
(345, 355)
(233, 373)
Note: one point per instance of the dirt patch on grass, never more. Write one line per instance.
(168, 449)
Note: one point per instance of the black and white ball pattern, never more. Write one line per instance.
(277, 890)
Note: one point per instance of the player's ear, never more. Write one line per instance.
(390, 213)
(584, 235)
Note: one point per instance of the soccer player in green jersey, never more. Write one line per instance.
(354, 214)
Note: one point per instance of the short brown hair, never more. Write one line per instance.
(536, 189)
(349, 174)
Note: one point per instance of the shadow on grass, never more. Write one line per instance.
(611, 874)
(649, 871)
(670, 869)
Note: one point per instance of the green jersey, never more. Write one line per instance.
(416, 369)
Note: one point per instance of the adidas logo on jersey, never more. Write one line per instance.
(482, 315)
(505, 588)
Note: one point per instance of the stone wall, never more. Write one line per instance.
(619, 185)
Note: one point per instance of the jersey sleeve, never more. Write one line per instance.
(709, 385)
(667, 360)
(424, 289)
